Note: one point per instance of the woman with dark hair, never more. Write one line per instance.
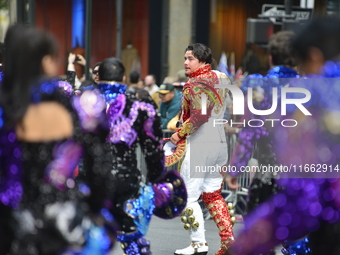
(43, 135)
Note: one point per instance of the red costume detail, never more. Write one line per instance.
(201, 81)
(219, 212)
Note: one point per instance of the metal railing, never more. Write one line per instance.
(239, 197)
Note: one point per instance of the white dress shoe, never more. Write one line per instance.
(194, 249)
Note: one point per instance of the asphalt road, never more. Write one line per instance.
(168, 235)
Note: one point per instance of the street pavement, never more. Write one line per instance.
(168, 235)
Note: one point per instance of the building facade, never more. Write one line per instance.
(159, 30)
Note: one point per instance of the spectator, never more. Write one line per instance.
(182, 78)
(92, 84)
(74, 62)
(155, 95)
(251, 61)
(134, 79)
(150, 84)
(169, 79)
(143, 94)
(95, 73)
(170, 104)
(152, 87)
(141, 84)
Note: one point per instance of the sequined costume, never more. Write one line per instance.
(263, 184)
(206, 147)
(45, 207)
(309, 203)
(124, 198)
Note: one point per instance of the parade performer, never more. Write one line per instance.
(43, 135)
(125, 198)
(282, 61)
(205, 147)
(307, 204)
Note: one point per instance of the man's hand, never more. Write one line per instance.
(174, 138)
(232, 183)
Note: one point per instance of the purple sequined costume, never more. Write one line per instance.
(251, 137)
(309, 202)
(45, 206)
(263, 184)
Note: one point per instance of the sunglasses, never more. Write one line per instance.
(95, 72)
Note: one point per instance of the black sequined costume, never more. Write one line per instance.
(120, 187)
(119, 172)
(47, 210)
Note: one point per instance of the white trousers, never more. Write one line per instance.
(205, 152)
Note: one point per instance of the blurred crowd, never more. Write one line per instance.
(168, 100)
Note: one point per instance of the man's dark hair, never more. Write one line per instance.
(134, 77)
(97, 64)
(280, 48)
(201, 52)
(322, 33)
(111, 69)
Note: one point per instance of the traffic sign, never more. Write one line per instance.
(277, 12)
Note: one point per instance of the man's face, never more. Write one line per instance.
(191, 63)
(149, 80)
(165, 98)
(95, 75)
